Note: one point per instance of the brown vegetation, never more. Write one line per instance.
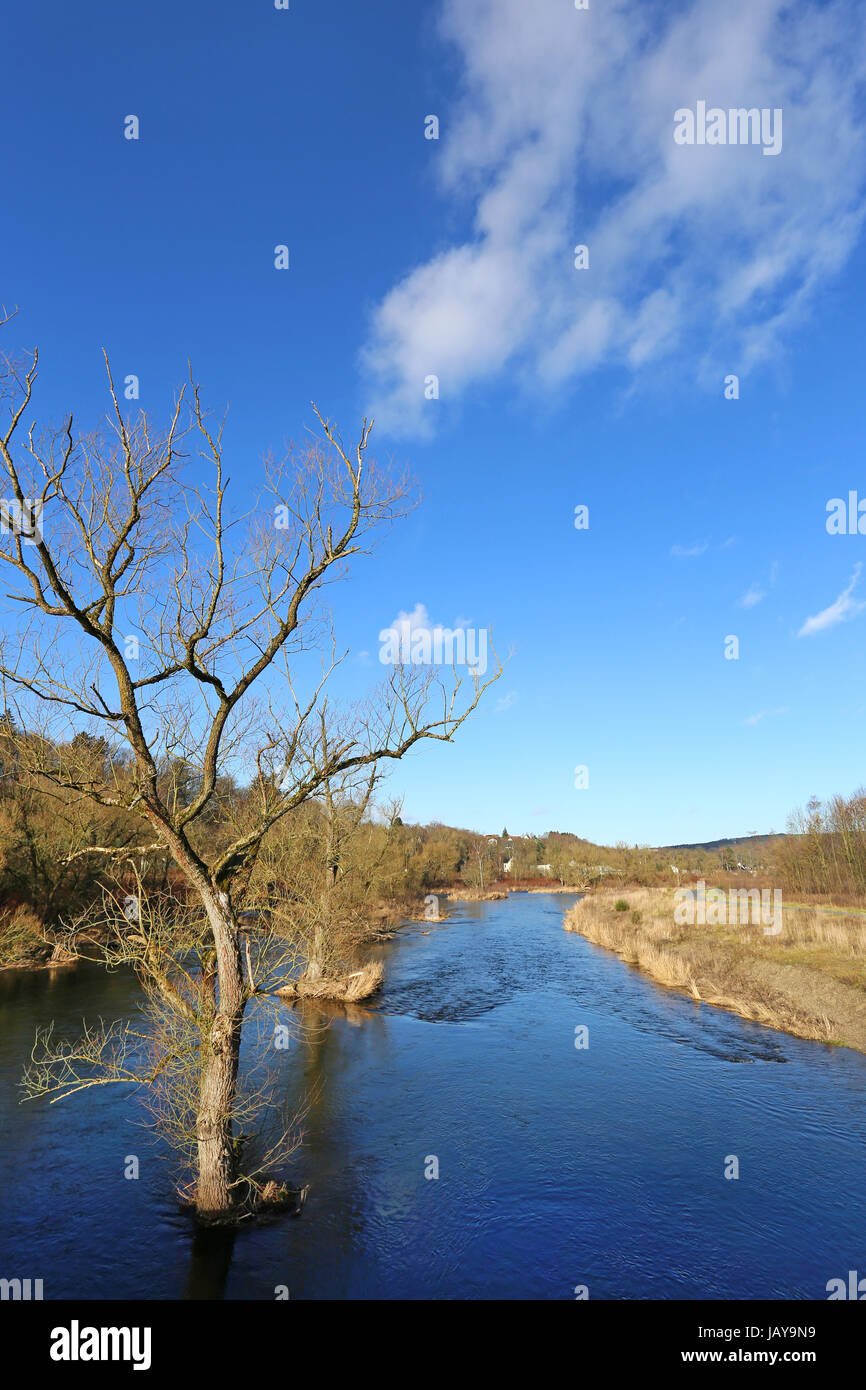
(476, 895)
(358, 984)
(825, 850)
(808, 980)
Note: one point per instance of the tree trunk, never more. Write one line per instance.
(314, 971)
(316, 961)
(221, 1041)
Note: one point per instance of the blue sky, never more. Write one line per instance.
(557, 386)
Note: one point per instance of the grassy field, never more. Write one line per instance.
(809, 980)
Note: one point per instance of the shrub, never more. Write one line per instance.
(21, 935)
(636, 916)
(620, 905)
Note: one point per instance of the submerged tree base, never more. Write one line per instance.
(357, 985)
(263, 1201)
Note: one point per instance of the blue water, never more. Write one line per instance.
(557, 1167)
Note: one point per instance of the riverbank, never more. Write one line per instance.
(808, 980)
(26, 945)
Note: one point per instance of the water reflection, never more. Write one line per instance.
(210, 1261)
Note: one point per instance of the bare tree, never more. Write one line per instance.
(148, 612)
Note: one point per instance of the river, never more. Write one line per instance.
(558, 1167)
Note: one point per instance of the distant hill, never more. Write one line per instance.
(720, 844)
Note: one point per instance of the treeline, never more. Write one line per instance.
(579, 863)
(825, 849)
(61, 852)
(822, 854)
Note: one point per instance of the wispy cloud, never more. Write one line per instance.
(505, 702)
(765, 714)
(676, 234)
(686, 550)
(752, 596)
(844, 608)
(755, 593)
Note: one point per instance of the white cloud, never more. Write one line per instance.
(407, 624)
(413, 639)
(752, 596)
(416, 621)
(563, 135)
(844, 608)
(689, 550)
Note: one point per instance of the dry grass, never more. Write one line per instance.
(809, 980)
(473, 895)
(359, 984)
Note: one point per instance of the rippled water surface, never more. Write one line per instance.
(557, 1166)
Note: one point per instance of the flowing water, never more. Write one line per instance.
(557, 1166)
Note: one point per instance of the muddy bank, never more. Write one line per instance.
(808, 980)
